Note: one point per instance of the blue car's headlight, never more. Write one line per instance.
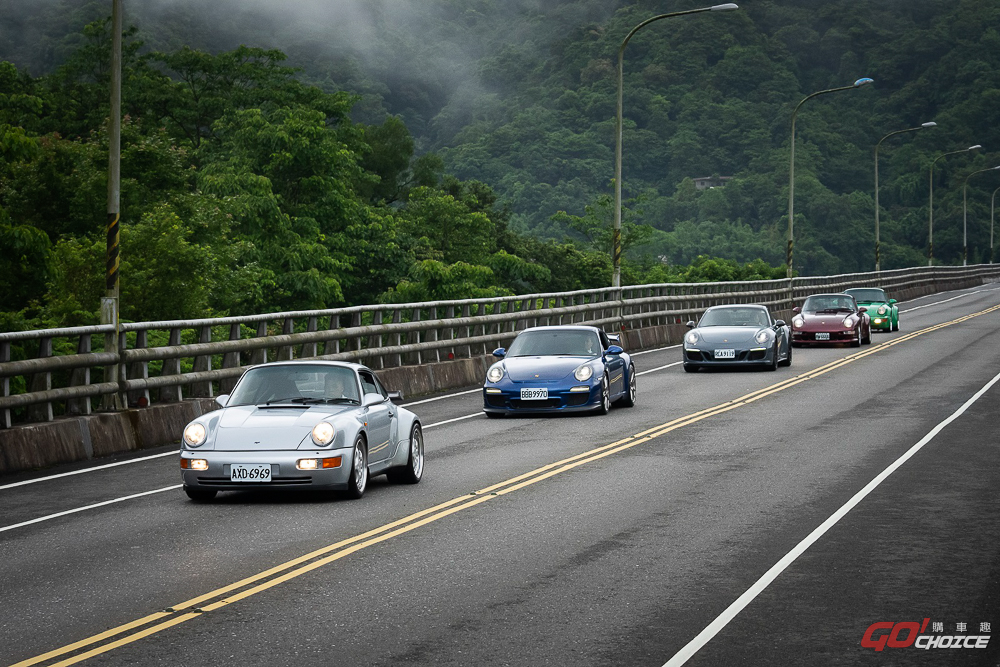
(495, 374)
(584, 373)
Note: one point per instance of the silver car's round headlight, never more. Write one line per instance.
(195, 434)
(495, 374)
(691, 337)
(584, 373)
(763, 336)
(322, 433)
(798, 322)
(849, 322)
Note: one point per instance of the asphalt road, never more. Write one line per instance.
(729, 518)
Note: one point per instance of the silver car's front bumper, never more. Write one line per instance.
(284, 474)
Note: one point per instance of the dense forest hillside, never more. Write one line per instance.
(460, 147)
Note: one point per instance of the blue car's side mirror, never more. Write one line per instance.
(500, 353)
(615, 349)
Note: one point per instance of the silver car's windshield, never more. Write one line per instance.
(870, 295)
(305, 384)
(832, 303)
(735, 317)
(564, 343)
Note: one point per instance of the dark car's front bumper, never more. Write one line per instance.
(839, 336)
(755, 356)
(507, 399)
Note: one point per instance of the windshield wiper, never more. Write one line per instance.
(290, 399)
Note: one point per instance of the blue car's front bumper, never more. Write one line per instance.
(506, 399)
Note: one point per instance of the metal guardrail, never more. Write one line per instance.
(58, 371)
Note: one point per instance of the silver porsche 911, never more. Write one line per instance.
(302, 424)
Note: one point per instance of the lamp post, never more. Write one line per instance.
(110, 310)
(616, 279)
(791, 165)
(922, 126)
(992, 202)
(930, 207)
(965, 228)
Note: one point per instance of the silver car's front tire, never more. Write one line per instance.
(414, 469)
(359, 470)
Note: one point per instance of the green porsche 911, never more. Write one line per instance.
(882, 309)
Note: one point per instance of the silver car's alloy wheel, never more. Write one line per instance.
(359, 470)
(413, 470)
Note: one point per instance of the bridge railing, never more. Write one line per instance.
(54, 372)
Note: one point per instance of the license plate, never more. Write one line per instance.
(725, 354)
(534, 394)
(823, 336)
(250, 472)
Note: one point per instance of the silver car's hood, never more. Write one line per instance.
(248, 427)
(723, 335)
(526, 369)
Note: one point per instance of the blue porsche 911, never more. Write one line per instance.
(559, 369)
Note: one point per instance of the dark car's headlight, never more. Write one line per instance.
(850, 321)
(763, 336)
(322, 433)
(195, 434)
(691, 337)
(584, 373)
(495, 374)
(798, 322)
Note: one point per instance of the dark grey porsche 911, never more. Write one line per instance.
(737, 335)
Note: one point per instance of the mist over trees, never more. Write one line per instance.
(323, 154)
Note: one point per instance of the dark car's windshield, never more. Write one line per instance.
(566, 343)
(831, 303)
(869, 295)
(305, 384)
(735, 317)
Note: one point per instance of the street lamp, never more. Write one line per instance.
(965, 237)
(616, 279)
(992, 202)
(922, 126)
(791, 164)
(930, 207)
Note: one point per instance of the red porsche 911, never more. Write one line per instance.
(831, 318)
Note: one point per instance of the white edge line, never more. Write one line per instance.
(456, 419)
(758, 587)
(89, 507)
(441, 398)
(660, 368)
(80, 472)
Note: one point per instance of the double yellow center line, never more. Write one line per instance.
(258, 583)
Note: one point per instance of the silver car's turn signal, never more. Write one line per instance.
(195, 434)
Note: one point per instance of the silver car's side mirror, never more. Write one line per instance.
(371, 399)
(222, 400)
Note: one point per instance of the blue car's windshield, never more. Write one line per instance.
(868, 295)
(305, 384)
(564, 343)
(735, 317)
